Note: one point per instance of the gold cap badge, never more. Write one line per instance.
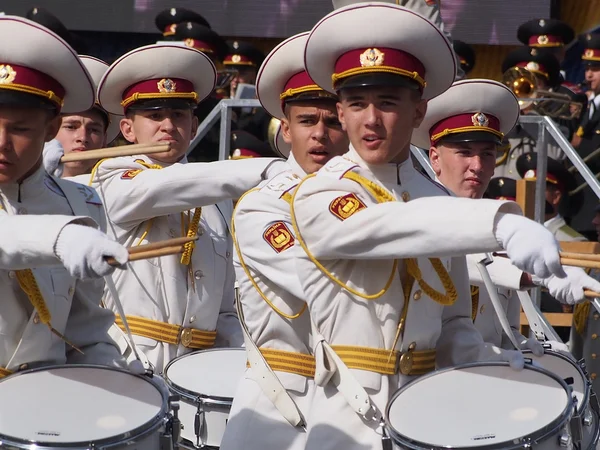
(480, 120)
(542, 40)
(531, 65)
(371, 57)
(236, 58)
(166, 86)
(7, 74)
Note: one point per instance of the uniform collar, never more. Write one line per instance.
(295, 166)
(392, 173)
(29, 188)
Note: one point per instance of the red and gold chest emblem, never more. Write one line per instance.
(346, 205)
(279, 237)
(129, 174)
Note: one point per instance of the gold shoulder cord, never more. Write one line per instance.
(381, 195)
(28, 285)
(247, 270)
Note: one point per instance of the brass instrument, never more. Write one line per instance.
(272, 133)
(523, 84)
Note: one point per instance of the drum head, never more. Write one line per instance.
(213, 373)
(561, 366)
(76, 404)
(478, 406)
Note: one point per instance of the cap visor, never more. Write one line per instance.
(160, 103)
(472, 136)
(25, 100)
(376, 79)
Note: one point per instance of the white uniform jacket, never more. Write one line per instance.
(74, 304)
(356, 240)
(261, 217)
(146, 205)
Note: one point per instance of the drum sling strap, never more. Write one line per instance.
(267, 379)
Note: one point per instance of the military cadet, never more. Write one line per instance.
(271, 297)
(82, 131)
(174, 304)
(463, 159)
(559, 183)
(465, 54)
(551, 35)
(245, 59)
(363, 212)
(48, 317)
(167, 20)
(53, 23)
(546, 71)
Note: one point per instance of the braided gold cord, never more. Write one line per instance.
(191, 232)
(27, 282)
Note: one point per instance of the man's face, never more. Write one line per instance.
(596, 223)
(380, 120)
(161, 126)
(464, 167)
(23, 132)
(246, 75)
(79, 133)
(592, 78)
(314, 132)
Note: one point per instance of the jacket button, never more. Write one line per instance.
(405, 196)
(192, 319)
(36, 318)
(200, 231)
(12, 274)
(482, 309)
(594, 356)
(71, 291)
(228, 254)
(596, 316)
(594, 336)
(593, 376)
(417, 295)
(198, 274)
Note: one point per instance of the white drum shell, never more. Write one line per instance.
(64, 404)
(207, 379)
(480, 406)
(565, 368)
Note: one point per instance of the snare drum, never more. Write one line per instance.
(482, 405)
(83, 407)
(206, 381)
(572, 373)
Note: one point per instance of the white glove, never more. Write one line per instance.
(83, 250)
(532, 344)
(530, 246)
(490, 352)
(568, 290)
(53, 151)
(136, 367)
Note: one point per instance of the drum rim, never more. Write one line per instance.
(198, 397)
(588, 386)
(537, 436)
(137, 433)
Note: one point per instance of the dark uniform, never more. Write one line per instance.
(245, 145)
(466, 55)
(558, 177)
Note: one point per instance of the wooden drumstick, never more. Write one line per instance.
(156, 249)
(112, 152)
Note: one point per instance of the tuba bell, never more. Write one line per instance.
(523, 84)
